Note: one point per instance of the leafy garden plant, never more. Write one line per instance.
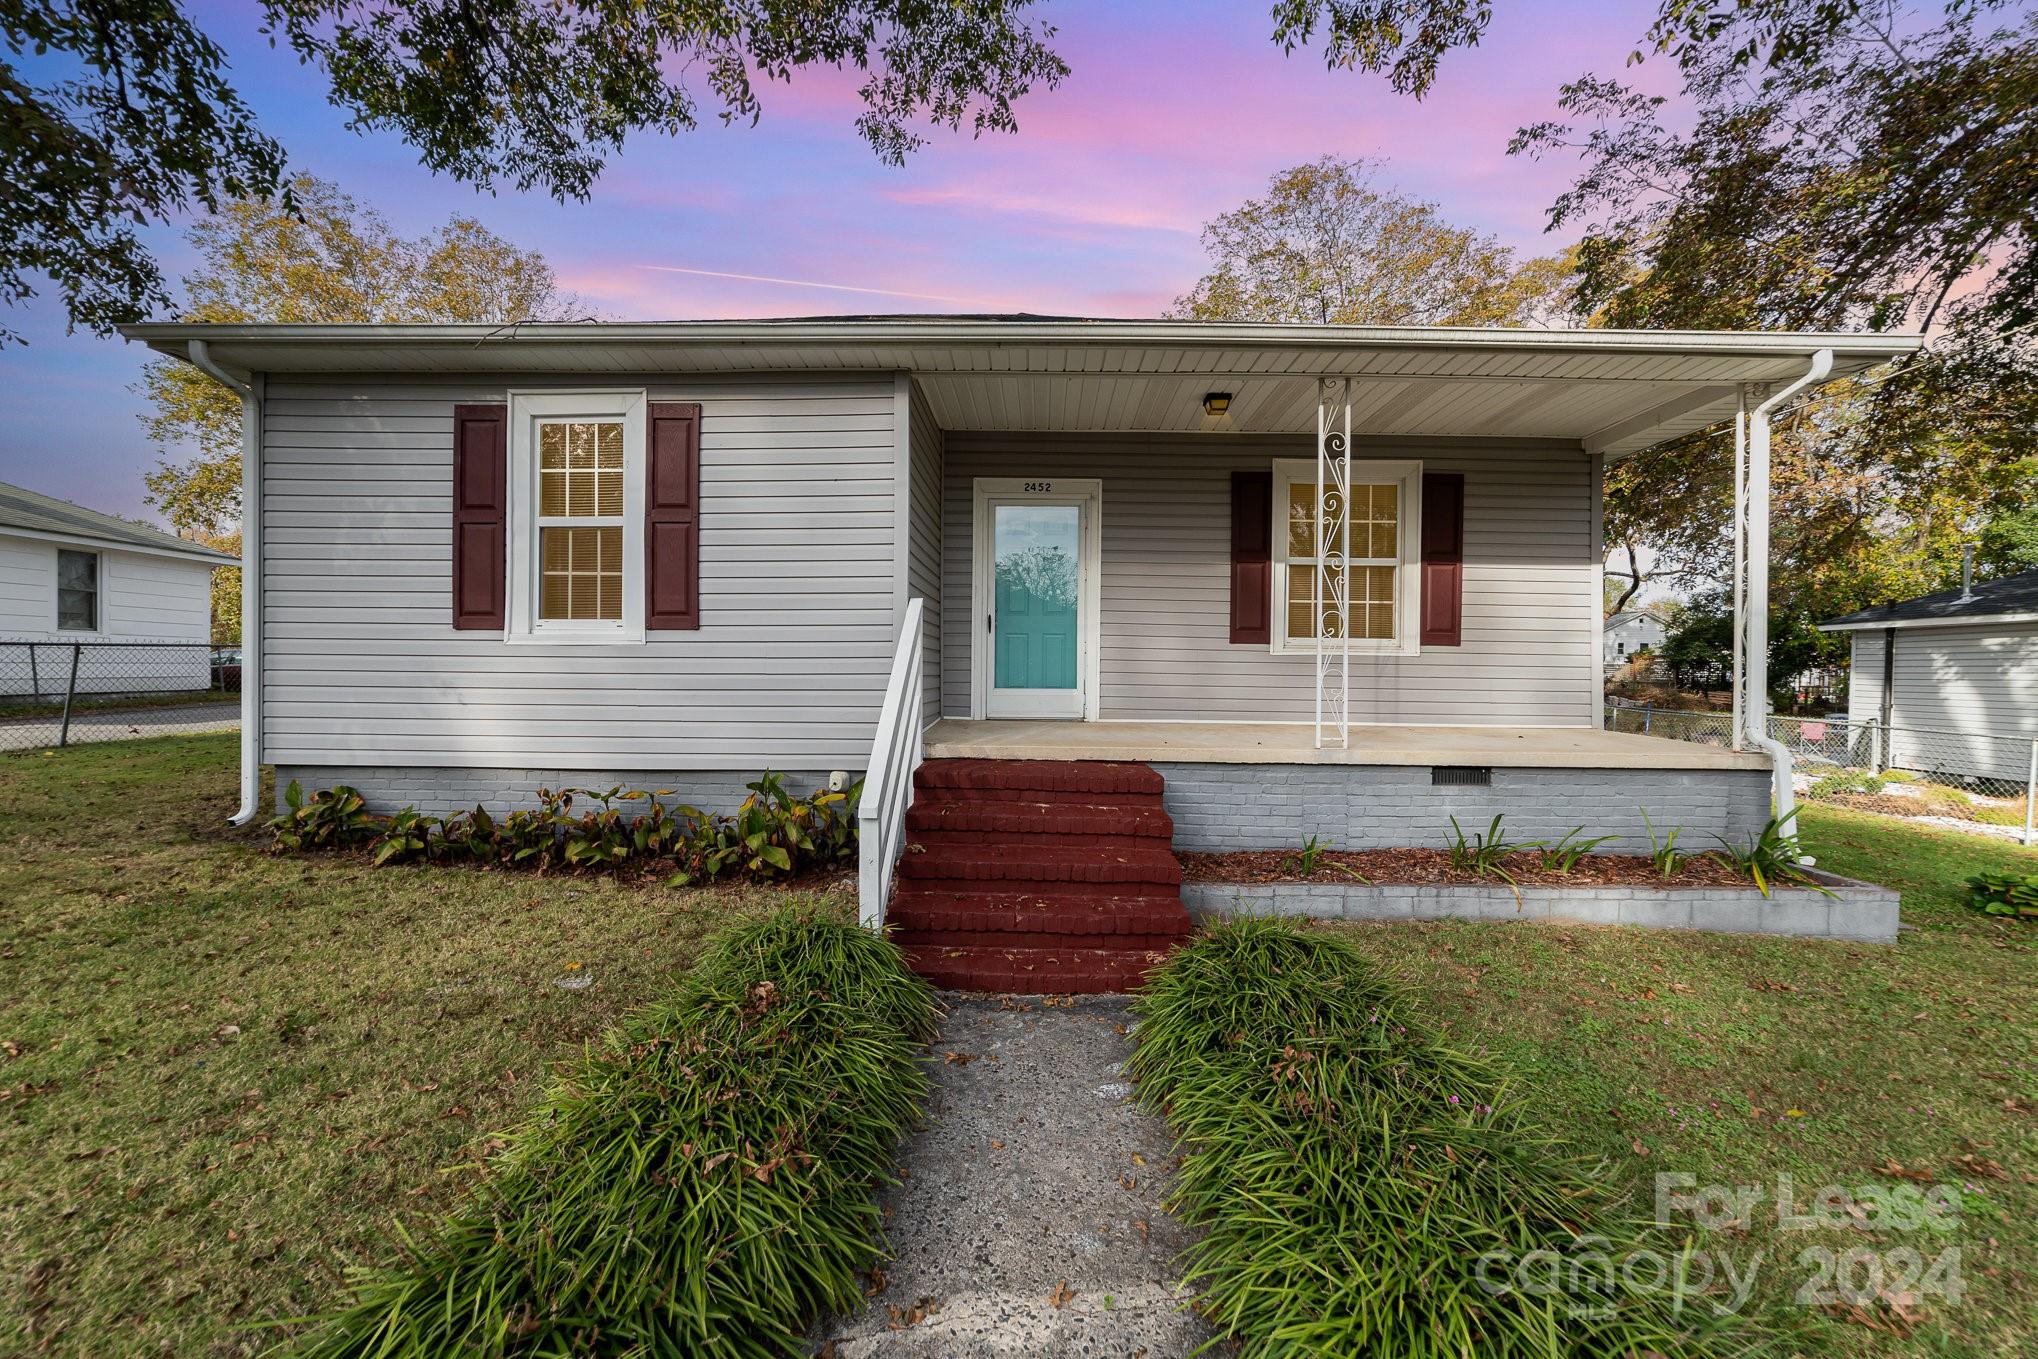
(2007, 894)
(1772, 857)
(1663, 851)
(773, 833)
(1354, 1175)
(1563, 856)
(333, 818)
(700, 1183)
(1483, 853)
(1306, 858)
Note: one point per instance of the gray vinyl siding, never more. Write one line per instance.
(923, 563)
(1531, 609)
(1966, 698)
(363, 667)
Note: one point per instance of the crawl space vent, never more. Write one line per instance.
(1460, 776)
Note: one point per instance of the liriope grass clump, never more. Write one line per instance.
(699, 1184)
(1366, 1188)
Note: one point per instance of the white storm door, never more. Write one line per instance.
(1036, 596)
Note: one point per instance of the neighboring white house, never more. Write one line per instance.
(1629, 631)
(1954, 674)
(489, 559)
(72, 575)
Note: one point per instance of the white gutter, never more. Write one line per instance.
(1971, 620)
(813, 333)
(251, 575)
(1755, 623)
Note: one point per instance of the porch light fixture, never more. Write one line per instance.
(1216, 403)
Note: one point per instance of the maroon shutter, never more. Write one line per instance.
(1252, 569)
(672, 530)
(480, 498)
(1443, 557)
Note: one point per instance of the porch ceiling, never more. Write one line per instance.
(1610, 391)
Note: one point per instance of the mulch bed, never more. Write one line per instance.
(1433, 867)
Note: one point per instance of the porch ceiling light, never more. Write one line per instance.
(1216, 403)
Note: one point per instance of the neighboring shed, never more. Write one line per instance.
(73, 575)
(1960, 667)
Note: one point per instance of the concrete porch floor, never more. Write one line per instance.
(1284, 743)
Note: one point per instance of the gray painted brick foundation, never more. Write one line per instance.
(1858, 912)
(441, 792)
(1222, 807)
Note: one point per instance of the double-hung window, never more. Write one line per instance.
(77, 591)
(576, 508)
(1381, 562)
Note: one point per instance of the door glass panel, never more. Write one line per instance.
(1034, 557)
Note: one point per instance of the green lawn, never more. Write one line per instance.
(1736, 1058)
(234, 1071)
(225, 1074)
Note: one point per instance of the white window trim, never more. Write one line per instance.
(523, 626)
(98, 628)
(1408, 568)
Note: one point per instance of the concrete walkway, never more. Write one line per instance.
(1030, 1221)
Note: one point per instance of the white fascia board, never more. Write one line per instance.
(1976, 620)
(207, 556)
(171, 336)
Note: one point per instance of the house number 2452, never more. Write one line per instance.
(1039, 486)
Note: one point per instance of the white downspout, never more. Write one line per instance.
(1756, 623)
(251, 575)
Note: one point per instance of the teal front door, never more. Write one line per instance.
(1036, 574)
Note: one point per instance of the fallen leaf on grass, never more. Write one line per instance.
(1893, 1313)
(1980, 1166)
(1897, 1170)
(1638, 1148)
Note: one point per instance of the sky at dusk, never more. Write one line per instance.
(1177, 110)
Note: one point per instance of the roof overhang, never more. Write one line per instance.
(98, 543)
(1609, 392)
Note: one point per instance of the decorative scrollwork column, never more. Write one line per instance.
(1332, 586)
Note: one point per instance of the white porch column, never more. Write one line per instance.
(1333, 555)
(1738, 672)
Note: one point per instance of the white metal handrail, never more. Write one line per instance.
(888, 779)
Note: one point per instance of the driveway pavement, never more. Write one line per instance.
(1030, 1221)
(107, 724)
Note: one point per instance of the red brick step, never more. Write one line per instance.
(1016, 821)
(1046, 864)
(1033, 971)
(1038, 875)
(992, 778)
(921, 908)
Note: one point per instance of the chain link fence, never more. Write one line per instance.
(1973, 780)
(58, 694)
